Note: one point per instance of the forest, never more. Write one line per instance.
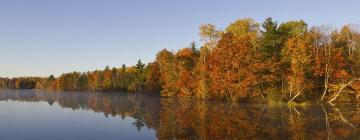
(245, 62)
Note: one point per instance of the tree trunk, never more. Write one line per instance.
(341, 89)
(298, 93)
(327, 123)
(326, 82)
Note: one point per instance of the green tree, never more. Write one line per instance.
(140, 77)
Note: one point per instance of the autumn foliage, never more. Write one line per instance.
(247, 61)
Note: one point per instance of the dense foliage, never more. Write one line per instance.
(247, 61)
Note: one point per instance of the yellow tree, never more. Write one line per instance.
(210, 37)
(169, 73)
(298, 53)
(107, 79)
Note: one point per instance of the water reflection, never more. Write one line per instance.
(200, 119)
(191, 119)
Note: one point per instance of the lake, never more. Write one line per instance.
(30, 114)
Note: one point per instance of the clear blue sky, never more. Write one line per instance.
(43, 37)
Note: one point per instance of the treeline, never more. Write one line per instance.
(19, 83)
(136, 78)
(246, 61)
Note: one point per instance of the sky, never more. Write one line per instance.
(43, 37)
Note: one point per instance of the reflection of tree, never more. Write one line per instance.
(144, 109)
(344, 121)
(139, 122)
(328, 128)
(189, 119)
(51, 102)
(186, 118)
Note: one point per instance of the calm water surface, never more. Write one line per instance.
(29, 114)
